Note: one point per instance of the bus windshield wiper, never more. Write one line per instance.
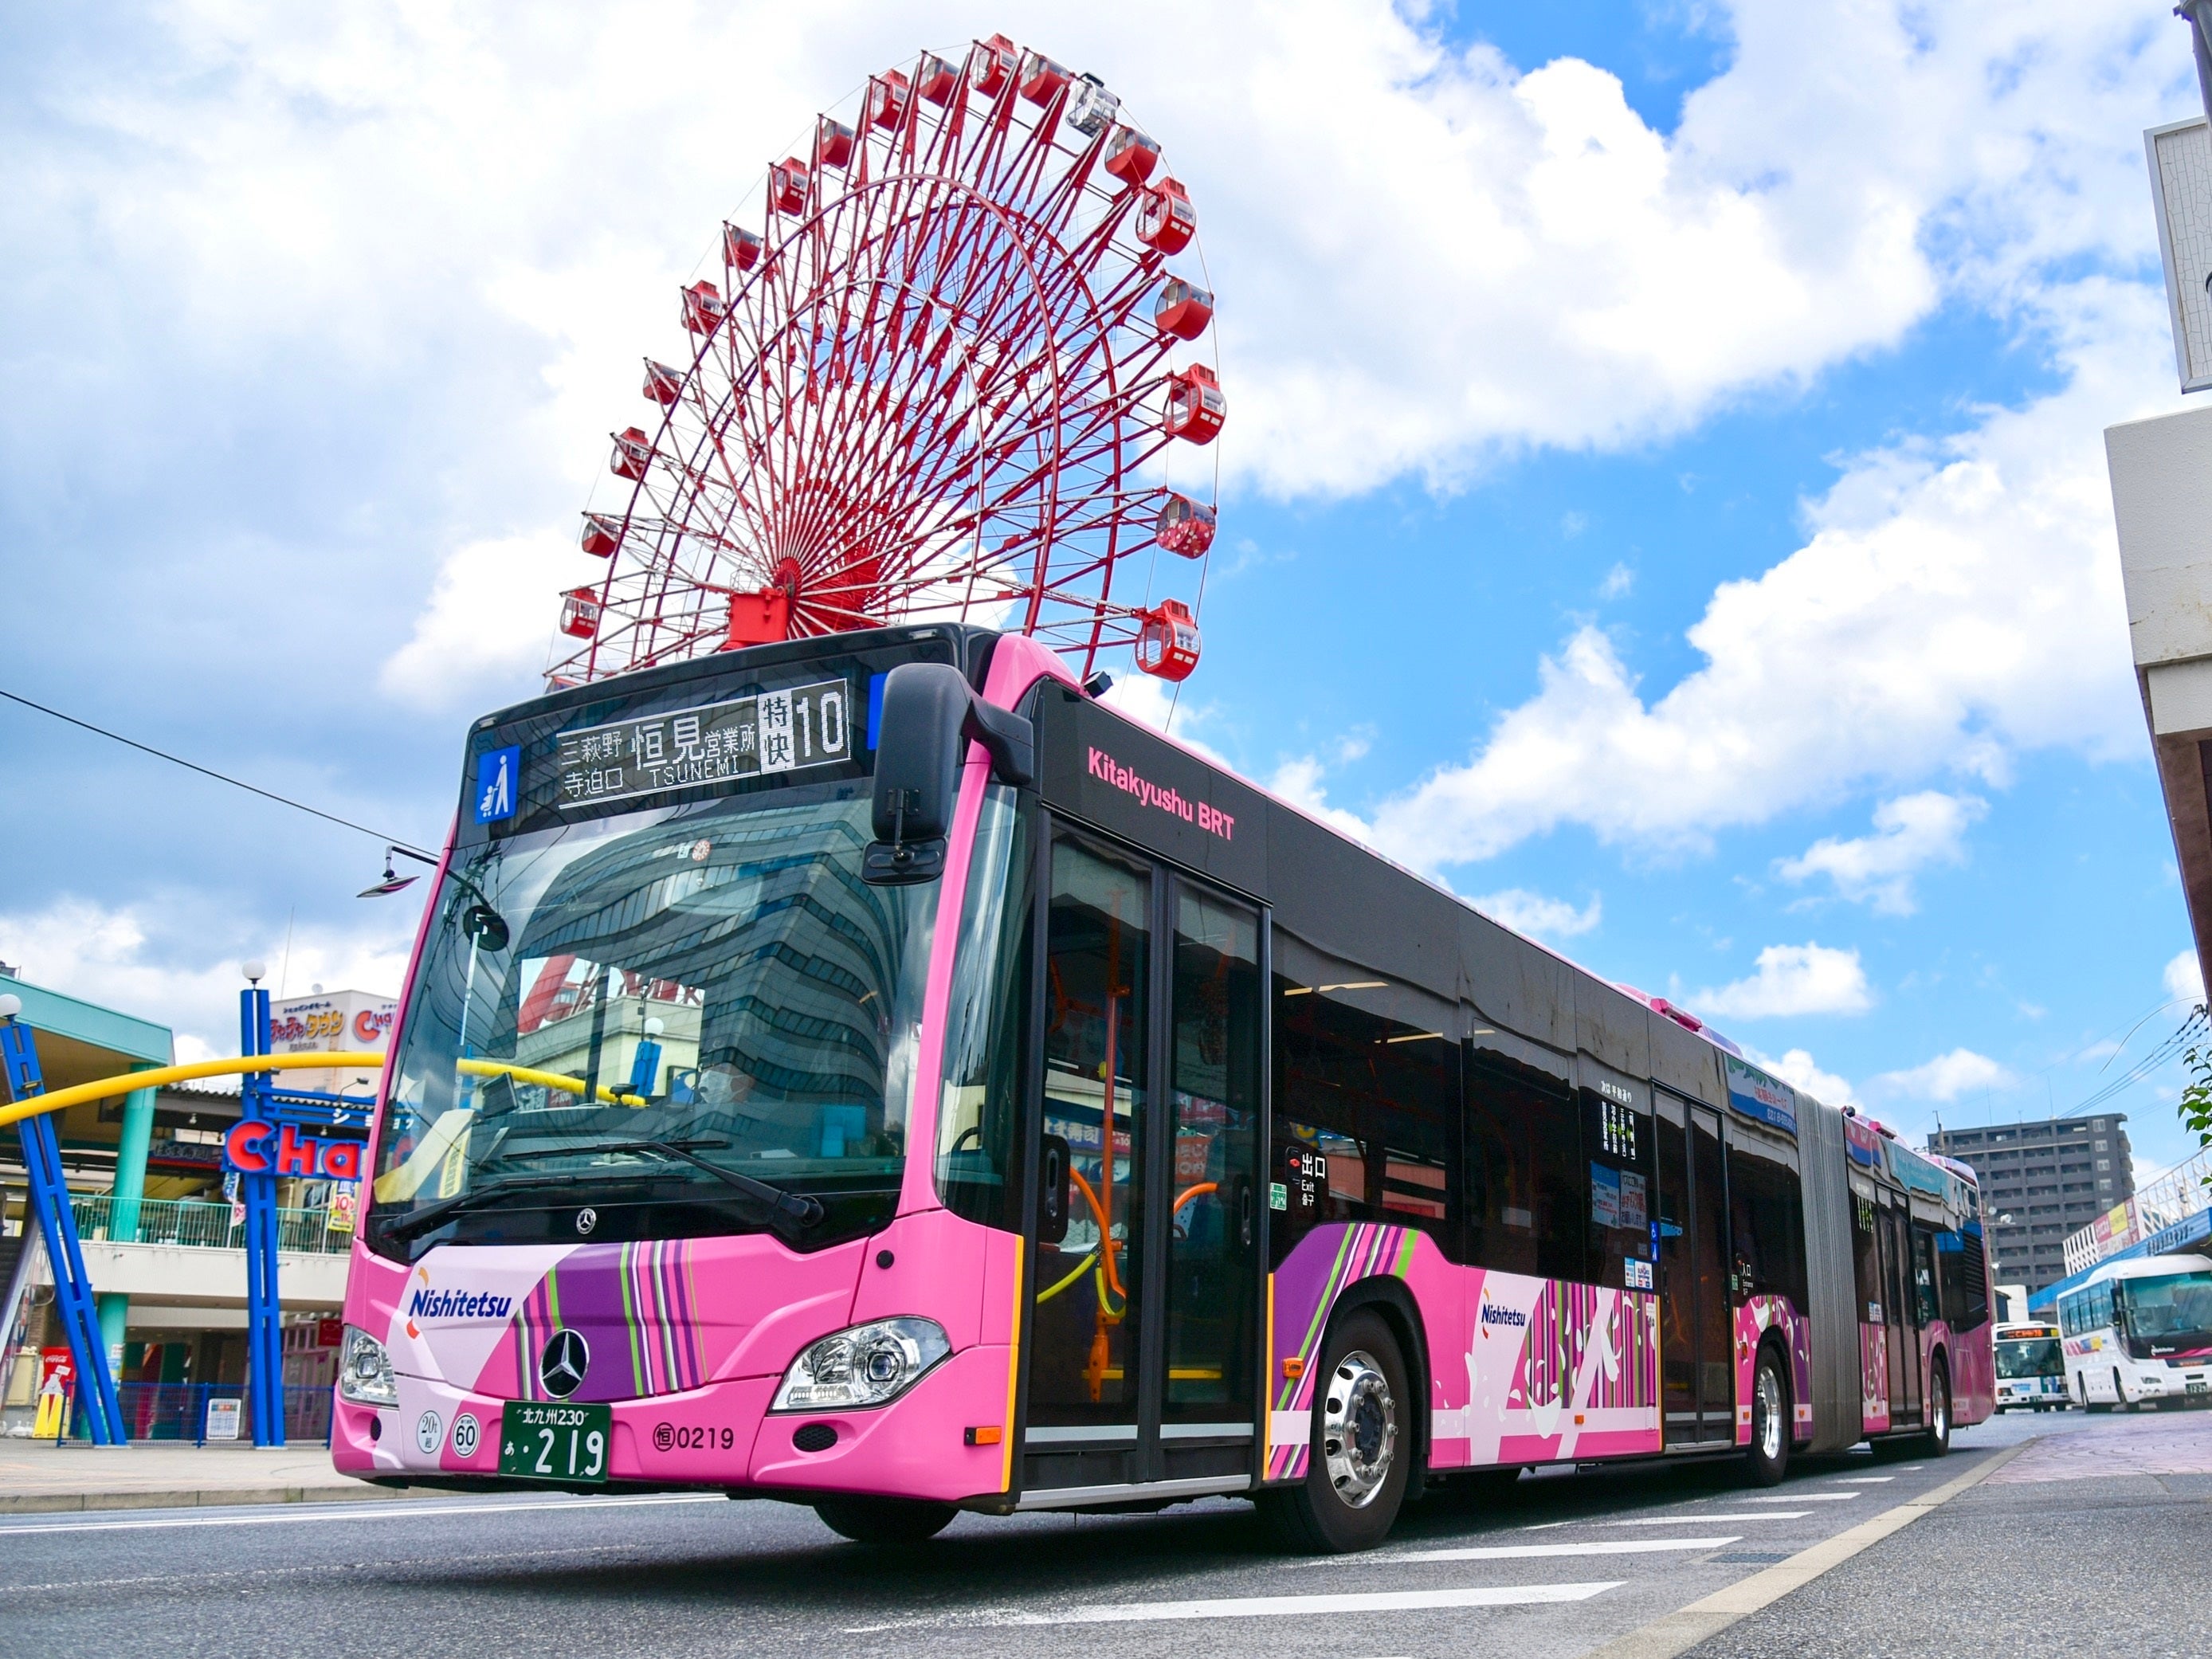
(794, 1207)
(422, 1220)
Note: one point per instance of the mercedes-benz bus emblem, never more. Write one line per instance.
(586, 1218)
(561, 1368)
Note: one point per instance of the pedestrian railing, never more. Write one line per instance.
(183, 1411)
(208, 1226)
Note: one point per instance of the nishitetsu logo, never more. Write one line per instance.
(1494, 1315)
(458, 1304)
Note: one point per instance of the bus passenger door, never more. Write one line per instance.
(1143, 1340)
(1697, 1379)
(1897, 1317)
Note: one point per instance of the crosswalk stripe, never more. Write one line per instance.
(1277, 1607)
(296, 1515)
(1535, 1551)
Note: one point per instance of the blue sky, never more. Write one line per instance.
(1663, 495)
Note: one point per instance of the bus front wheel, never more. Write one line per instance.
(1356, 1463)
(884, 1521)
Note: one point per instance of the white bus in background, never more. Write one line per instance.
(2140, 1330)
(2031, 1368)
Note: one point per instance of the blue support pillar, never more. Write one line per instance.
(50, 1201)
(265, 1342)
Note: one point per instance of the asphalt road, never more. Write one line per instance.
(1561, 1565)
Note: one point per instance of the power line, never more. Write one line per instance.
(221, 777)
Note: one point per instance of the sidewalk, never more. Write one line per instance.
(38, 1477)
(2171, 1440)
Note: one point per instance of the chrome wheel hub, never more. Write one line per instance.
(1358, 1428)
(1770, 1413)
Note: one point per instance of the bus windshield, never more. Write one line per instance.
(2167, 1316)
(2035, 1356)
(687, 1020)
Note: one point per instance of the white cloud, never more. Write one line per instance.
(1910, 833)
(1947, 1076)
(438, 221)
(473, 644)
(1617, 582)
(2185, 977)
(1797, 1069)
(1299, 781)
(180, 967)
(1957, 603)
(1548, 918)
(1791, 979)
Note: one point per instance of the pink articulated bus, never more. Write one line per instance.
(868, 1071)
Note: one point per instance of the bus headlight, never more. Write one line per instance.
(866, 1365)
(365, 1370)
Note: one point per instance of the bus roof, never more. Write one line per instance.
(2148, 1267)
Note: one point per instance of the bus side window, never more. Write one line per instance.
(1767, 1221)
(1528, 1195)
(1366, 1108)
(1923, 1274)
(986, 1033)
(1869, 1259)
(1619, 1141)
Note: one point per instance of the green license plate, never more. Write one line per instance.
(543, 1440)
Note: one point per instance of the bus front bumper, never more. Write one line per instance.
(943, 1440)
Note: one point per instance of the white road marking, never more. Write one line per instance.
(1531, 1552)
(362, 1509)
(1861, 1479)
(1809, 1497)
(1684, 1520)
(1279, 1606)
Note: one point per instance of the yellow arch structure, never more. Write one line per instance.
(131, 1082)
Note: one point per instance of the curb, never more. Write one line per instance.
(72, 1503)
(1680, 1630)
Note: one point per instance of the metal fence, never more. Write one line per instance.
(178, 1411)
(209, 1226)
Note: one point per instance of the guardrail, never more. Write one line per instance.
(205, 1226)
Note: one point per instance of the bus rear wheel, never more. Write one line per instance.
(1770, 1425)
(885, 1521)
(1937, 1441)
(1356, 1465)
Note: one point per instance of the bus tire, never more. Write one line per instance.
(884, 1521)
(1769, 1459)
(1936, 1440)
(1362, 1446)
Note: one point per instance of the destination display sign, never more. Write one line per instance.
(716, 743)
(1765, 1099)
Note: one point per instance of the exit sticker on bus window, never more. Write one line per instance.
(1278, 1196)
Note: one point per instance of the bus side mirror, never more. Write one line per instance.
(930, 715)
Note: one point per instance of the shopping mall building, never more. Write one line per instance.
(161, 1242)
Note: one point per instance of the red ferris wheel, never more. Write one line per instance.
(939, 381)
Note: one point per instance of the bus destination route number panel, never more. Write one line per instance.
(716, 743)
(539, 1440)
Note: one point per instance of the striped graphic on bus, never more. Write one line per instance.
(635, 1304)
